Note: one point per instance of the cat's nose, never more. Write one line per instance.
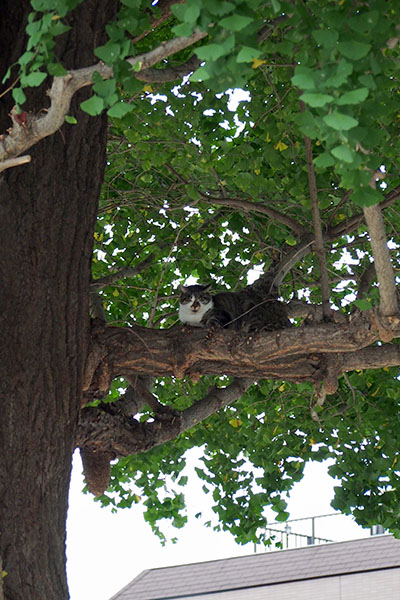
(195, 306)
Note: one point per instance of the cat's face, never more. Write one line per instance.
(194, 302)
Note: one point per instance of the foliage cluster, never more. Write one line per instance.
(208, 182)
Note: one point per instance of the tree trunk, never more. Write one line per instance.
(47, 217)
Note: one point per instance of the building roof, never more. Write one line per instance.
(268, 568)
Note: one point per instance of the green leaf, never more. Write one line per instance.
(235, 22)
(340, 121)
(210, 52)
(353, 49)
(18, 95)
(326, 37)
(93, 106)
(247, 54)
(304, 78)
(316, 99)
(7, 75)
(26, 58)
(324, 160)
(220, 8)
(33, 79)
(56, 69)
(104, 88)
(307, 123)
(120, 109)
(366, 196)
(343, 70)
(368, 81)
(363, 304)
(192, 12)
(354, 97)
(364, 22)
(344, 153)
(108, 53)
(183, 29)
(132, 3)
(71, 120)
(201, 74)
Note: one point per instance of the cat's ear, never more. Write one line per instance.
(206, 287)
(182, 288)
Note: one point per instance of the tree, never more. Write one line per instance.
(300, 182)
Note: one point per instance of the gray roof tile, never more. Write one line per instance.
(369, 554)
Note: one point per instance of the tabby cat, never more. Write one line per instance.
(247, 310)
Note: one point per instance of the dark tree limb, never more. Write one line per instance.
(319, 237)
(107, 431)
(165, 7)
(366, 280)
(246, 206)
(353, 222)
(169, 73)
(129, 271)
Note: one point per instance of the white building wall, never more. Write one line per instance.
(374, 585)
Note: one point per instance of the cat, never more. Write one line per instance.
(247, 310)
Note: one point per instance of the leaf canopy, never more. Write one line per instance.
(208, 178)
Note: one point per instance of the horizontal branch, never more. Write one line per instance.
(291, 354)
(375, 357)
(257, 207)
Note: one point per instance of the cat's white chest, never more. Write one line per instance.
(192, 312)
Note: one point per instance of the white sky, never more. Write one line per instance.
(106, 551)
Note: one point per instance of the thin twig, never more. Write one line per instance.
(154, 307)
(319, 238)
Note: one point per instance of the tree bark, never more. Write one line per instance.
(47, 216)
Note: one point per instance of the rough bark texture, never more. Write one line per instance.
(47, 214)
(319, 354)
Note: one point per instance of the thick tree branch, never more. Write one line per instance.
(214, 401)
(374, 357)
(25, 134)
(288, 354)
(387, 289)
(14, 162)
